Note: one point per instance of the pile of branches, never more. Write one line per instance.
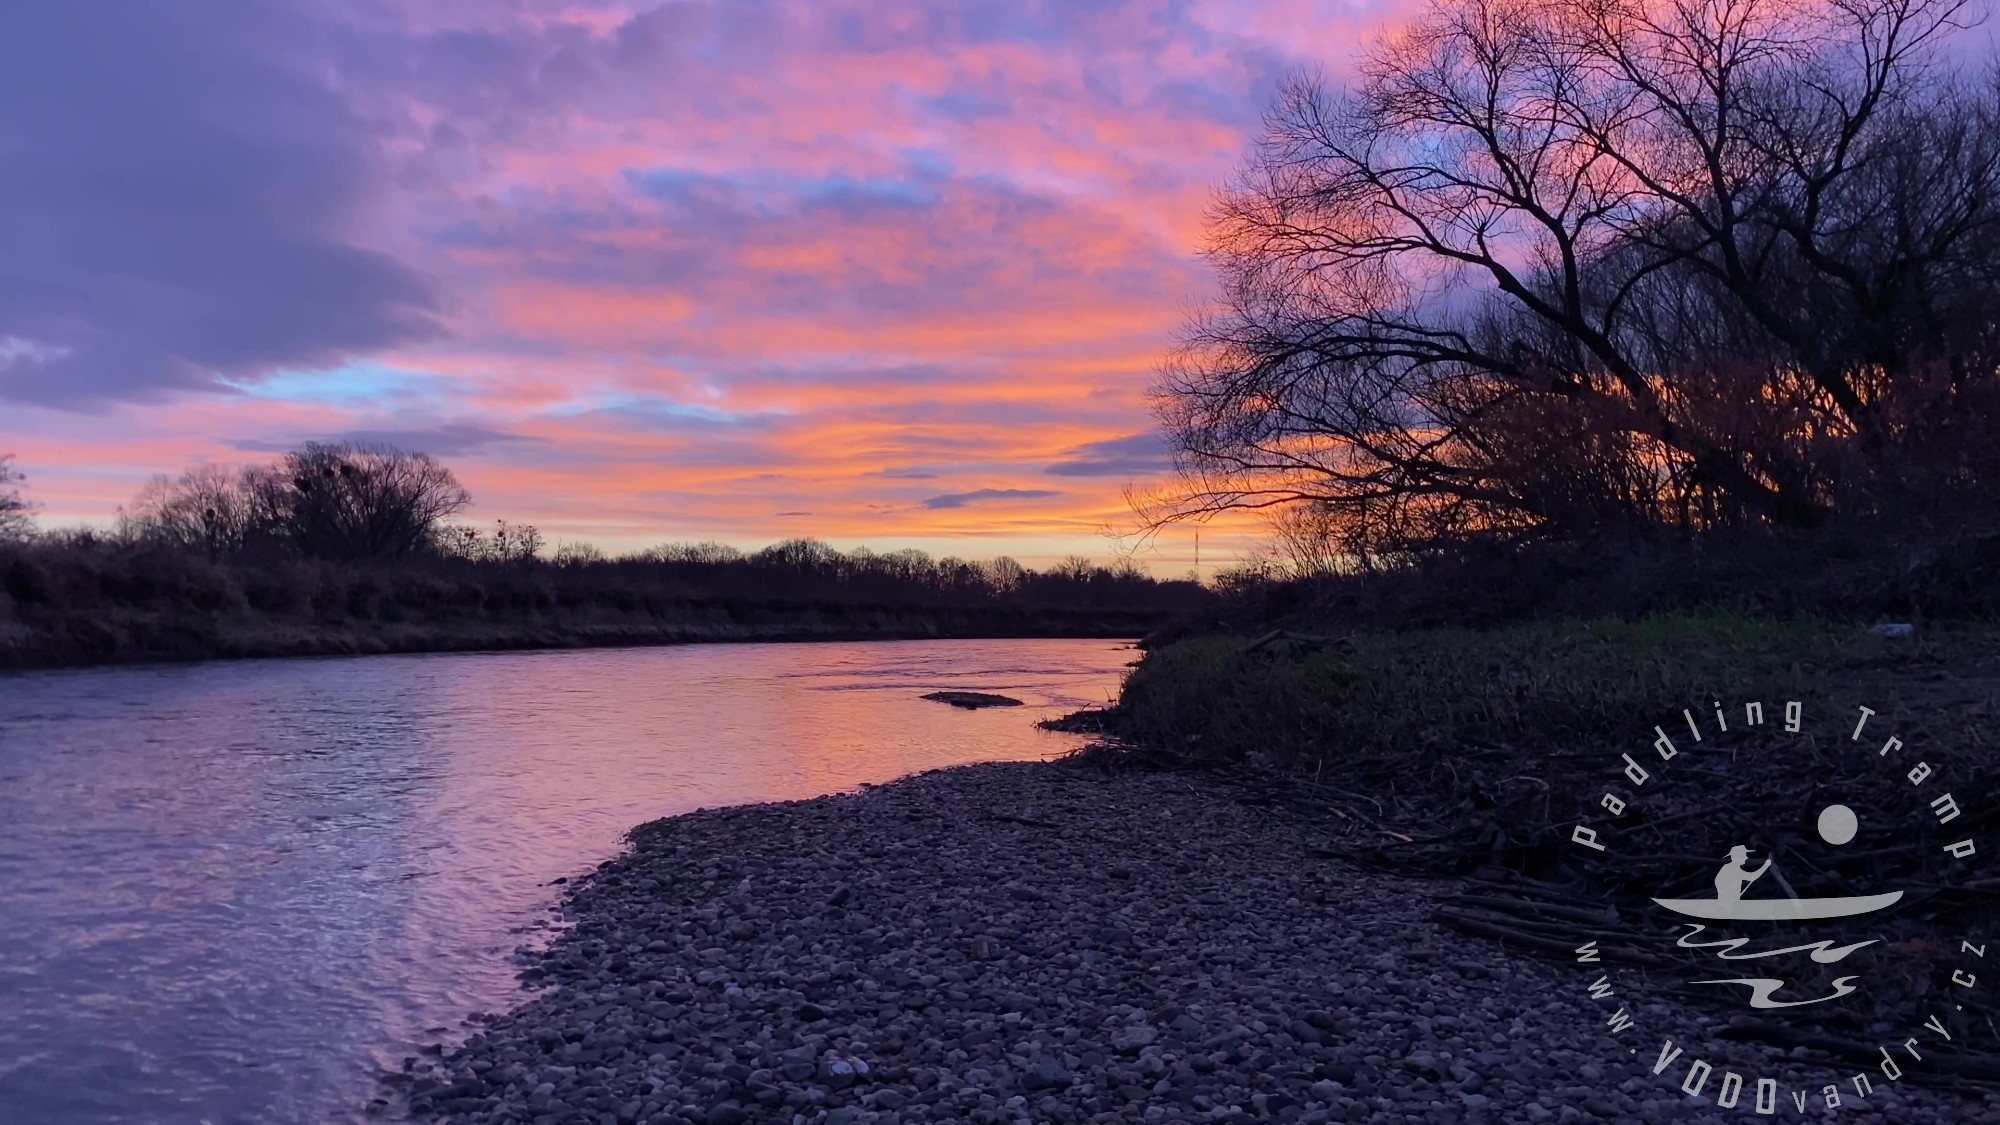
(1477, 815)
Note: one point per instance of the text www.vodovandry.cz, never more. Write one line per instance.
(1836, 827)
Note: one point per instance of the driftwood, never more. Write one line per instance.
(1562, 946)
(1464, 812)
(1551, 921)
(1280, 642)
(1497, 818)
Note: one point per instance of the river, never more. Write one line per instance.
(230, 891)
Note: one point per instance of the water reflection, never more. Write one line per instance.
(229, 888)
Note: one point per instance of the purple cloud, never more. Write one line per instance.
(961, 499)
(1136, 455)
(176, 197)
(438, 441)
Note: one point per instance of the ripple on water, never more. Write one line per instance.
(233, 888)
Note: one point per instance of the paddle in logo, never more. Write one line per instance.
(1837, 826)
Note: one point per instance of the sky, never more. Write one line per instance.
(882, 272)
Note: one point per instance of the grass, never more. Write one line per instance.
(1542, 684)
(1447, 751)
(1490, 746)
(1463, 752)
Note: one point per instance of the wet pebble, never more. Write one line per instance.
(1029, 942)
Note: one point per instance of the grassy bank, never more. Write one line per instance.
(1477, 753)
(1505, 737)
(1541, 683)
(63, 640)
(70, 604)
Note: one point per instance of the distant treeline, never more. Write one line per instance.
(346, 547)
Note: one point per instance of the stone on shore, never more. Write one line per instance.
(960, 946)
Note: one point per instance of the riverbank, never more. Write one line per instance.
(82, 599)
(57, 639)
(1049, 943)
(1488, 742)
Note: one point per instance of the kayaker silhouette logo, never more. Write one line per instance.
(1792, 902)
(1736, 876)
(1837, 826)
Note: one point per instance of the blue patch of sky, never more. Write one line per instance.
(672, 183)
(930, 163)
(849, 30)
(351, 384)
(662, 413)
(1224, 105)
(849, 192)
(1052, 23)
(766, 192)
(1141, 454)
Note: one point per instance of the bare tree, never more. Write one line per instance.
(513, 542)
(354, 501)
(1310, 540)
(1555, 265)
(802, 555)
(16, 518)
(1074, 568)
(691, 554)
(1003, 574)
(579, 555)
(206, 508)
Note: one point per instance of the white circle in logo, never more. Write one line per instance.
(1837, 824)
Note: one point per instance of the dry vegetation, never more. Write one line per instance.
(335, 549)
(1477, 752)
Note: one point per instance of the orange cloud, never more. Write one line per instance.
(702, 268)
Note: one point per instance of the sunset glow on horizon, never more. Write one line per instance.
(883, 273)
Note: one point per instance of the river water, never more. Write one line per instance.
(230, 891)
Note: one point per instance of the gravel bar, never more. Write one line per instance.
(1030, 942)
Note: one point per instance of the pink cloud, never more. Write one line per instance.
(698, 264)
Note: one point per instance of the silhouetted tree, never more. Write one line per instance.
(15, 511)
(804, 555)
(368, 503)
(514, 542)
(206, 508)
(690, 554)
(506, 543)
(1004, 574)
(340, 501)
(1074, 568)
(578, 554)
(1555, 266)
(351, 501)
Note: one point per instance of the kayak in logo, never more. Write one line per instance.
(1735, 877)
(1837, 826)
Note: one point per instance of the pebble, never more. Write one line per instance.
(1040, 943)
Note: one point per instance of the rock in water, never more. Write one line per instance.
(973, 700)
